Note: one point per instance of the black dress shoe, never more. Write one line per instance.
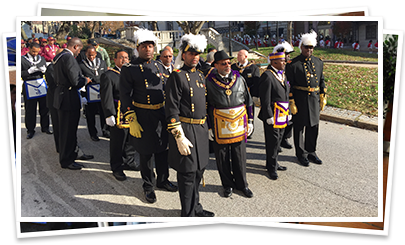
(285, 144)
(228, 191)
(74, 166)
(303, 161)
(47, 131)
(169, 186)
(150, 196)
(30, 135)
(205, 213)
(314, 159)
(119, 175)
(281, 168)
(95, 138)
(85, 157)
(247, 192)
(273, 175)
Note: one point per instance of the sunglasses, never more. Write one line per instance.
(225, 63)
(167, 56)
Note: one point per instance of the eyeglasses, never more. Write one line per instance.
(225, 63)
(309, 47)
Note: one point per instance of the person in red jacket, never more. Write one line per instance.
(49, 50)
(24, 48)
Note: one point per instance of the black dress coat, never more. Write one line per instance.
(143, 82)
(109, 91)
(306, 72)
(271, 91)
(185, 96)
(69, 79)
(251, 73)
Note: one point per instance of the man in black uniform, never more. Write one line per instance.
(305, 74)
(142, 102)
(33, 67)
(69, 79)
(122, 152)
(185, 113)
(93, 67)
(229, 108)
(274, 112)
(251, 73)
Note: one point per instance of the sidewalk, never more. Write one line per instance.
(351, 118)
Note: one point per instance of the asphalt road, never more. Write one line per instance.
(346, 185)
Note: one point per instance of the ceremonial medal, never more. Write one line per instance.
(228, 92)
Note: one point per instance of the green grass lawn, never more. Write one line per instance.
(325, 54)
(353, 88)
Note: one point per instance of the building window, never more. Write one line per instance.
(371, 32)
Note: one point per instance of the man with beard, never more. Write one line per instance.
(185, 114)
(142, 102)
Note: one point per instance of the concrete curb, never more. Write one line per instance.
(350, 62)
(351, 118)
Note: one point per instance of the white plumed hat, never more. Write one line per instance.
(283, 47)
(308, 39)
(190, 42)
(144, 35)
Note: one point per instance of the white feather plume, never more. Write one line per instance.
(143, 35)
(308, 39)
(287, 48)
(198, 42)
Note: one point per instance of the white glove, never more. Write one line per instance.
(270, 121)
(250, 128)
(183, 144)
(289, 117)
(110, 121)
(33, 69)
(42, 69)
(256, 101)
(210, 135)
(84, 101)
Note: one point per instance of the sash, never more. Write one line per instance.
(230, 124)
(280, 114)
(93, 93)
(36, 88)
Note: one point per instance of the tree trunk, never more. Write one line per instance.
(64, 30)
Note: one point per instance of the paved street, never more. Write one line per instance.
(344, 186)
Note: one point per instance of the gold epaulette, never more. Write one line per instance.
(177, 70)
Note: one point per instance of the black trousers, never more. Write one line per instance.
(121, 149)
(189, 184)
(91, 111)
(305, 145)
(55, 123)
(272, 139)
(231, 164)
(30, 106)
(288, 131)
(68, 123)
(147, 173)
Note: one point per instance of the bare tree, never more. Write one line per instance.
(192, 27)
(289, 32)
(64, 29)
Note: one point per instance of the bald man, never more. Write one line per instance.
(250, 72)
(69, 79)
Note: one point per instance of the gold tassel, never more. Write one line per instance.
(203, 181)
